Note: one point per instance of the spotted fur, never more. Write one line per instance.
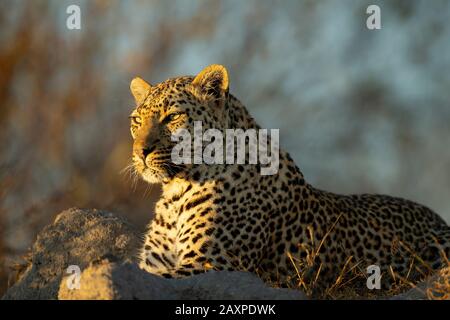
(229, 217)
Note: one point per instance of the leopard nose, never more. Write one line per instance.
(147, 150)
(143, 149)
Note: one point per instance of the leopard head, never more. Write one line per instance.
(174, 104)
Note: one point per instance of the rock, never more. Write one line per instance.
(108, 280)
(77, 237)
(225, 285)
(103, 246)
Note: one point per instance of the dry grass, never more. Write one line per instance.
(350, 281)
(440, 289)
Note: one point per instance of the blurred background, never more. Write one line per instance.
(359, 110)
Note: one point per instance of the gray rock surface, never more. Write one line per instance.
(106, 280)
(77, 237)
(109, 281)
(103, 246)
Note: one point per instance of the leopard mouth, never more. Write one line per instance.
(157, 171)
(151, 175)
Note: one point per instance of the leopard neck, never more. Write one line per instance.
(238, 116)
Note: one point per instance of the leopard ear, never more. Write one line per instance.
(212, 82)
(139, 88)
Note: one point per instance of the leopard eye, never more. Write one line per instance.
(135, 120)
(172, 117)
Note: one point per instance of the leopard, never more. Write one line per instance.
(213, 217)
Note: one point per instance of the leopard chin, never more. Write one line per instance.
(160, 174)
(151, 176)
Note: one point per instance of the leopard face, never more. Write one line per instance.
(164, 109)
